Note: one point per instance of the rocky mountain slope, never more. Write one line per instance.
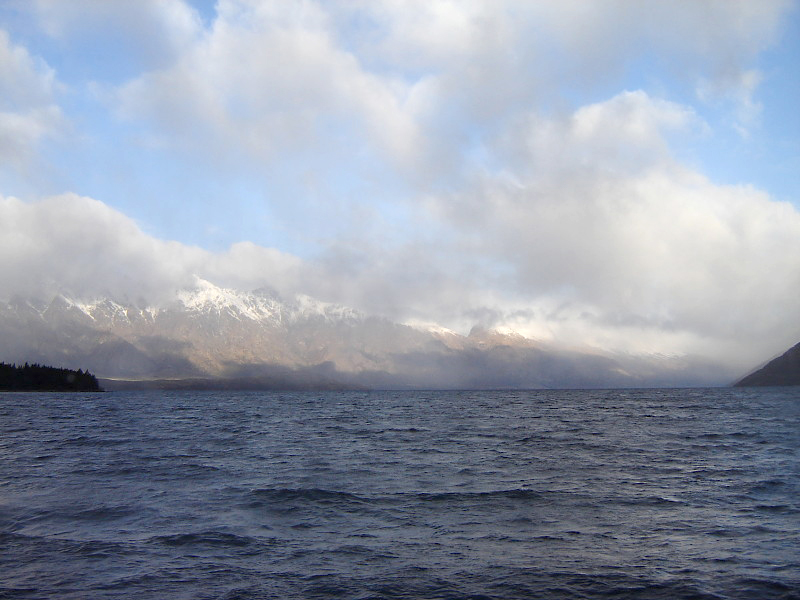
(256, 337)
(784, 370)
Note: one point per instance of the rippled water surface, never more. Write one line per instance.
(585, 494)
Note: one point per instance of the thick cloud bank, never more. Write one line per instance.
(597, 218)
(651, 264)
(84, 249)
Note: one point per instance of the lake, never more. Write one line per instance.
(641, 494)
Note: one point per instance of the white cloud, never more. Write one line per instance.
(28, 109)
(269, 79)
(247, 266)
(419, 85)
(83, 248)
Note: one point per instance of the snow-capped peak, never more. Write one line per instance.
(207, 297)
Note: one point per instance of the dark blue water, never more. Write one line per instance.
(603, 494)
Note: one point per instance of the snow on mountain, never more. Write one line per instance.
(209, 298)
(207, 329)
(260, 306)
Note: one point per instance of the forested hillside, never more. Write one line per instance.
(43, 378)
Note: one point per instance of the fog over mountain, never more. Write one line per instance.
(211, 332)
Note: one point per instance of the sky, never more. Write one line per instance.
(619, 175)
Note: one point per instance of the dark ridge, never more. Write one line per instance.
(784, 370)
(41, 378)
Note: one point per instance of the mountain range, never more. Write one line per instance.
(210, 336)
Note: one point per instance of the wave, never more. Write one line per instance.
(204, 538)
(28, 547)
(101, 513)
(320, 497)
(456, 497)
(533, 583)
(94, 441)
(294, 495)
(651, 500)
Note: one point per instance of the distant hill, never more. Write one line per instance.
(784, 370)
(31, 378)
